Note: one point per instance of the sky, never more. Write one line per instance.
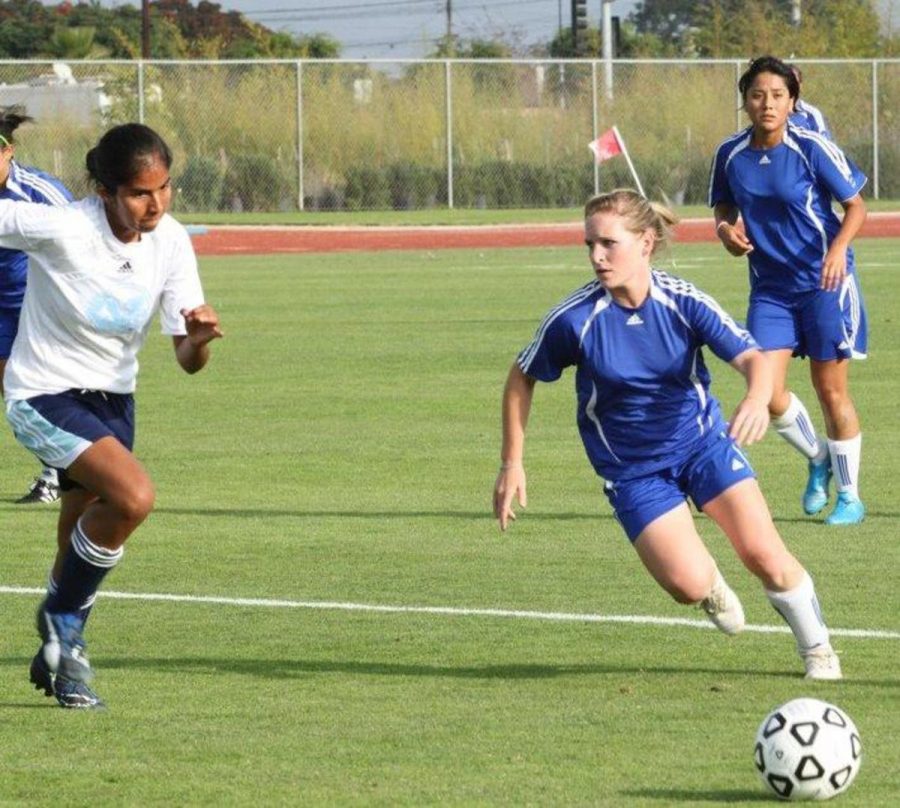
(385, 29)
(409, 28)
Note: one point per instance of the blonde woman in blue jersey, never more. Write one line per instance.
(805, 298)
(651, 428)
(100, 269)
(22, 183)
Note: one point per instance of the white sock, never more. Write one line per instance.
(49, 475)
(796, 427)
(800, 609)
(845, 455)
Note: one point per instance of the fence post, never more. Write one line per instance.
(875, 145)
(595, 123)
(140, 90)
(740, 101)
(300, 190)
(448, 95)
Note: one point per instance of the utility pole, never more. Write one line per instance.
(145, 29)
(449, 21)
(606, 23)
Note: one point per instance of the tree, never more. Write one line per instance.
(454, 47)
(29, 29)
(665, 19)
(828, 28)
(75, 42)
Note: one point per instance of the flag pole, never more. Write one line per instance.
(622, 146)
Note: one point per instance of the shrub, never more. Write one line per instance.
(200, 185)
(254, 182)
(367, 189)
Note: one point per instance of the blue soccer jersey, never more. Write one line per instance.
(641, 382)
(806, 116)
(28, 185)
(784, 195)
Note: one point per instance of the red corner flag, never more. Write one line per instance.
(606, 146)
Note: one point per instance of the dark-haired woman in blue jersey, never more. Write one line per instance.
(805, 298)
(23, 184)
(651, 428)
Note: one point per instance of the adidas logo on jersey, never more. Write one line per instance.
(126, 268)
(736, 465)
(634, 320)
(764, 160)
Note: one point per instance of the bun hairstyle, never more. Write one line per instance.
(639, 213)
(121, 154)
(10, 119)
(769, 64)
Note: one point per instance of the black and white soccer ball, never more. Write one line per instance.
(807, 749)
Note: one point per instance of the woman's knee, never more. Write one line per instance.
(136, 502)
(688, 586)
(833, 397)
(773, 566)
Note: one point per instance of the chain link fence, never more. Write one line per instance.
(339, 135)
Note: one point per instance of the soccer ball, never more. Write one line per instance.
(807, 749)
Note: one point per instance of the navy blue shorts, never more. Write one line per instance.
(718, 465)
(58, 427)
(9, 326)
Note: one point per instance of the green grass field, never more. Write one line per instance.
(341, 448)
(438, 216)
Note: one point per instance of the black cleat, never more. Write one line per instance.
(74, 695)
(40, 675)
(40, 491)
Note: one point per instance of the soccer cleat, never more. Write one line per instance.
(815, 497)
(40, 675)
(822, 663)
(40, 491)
(63, 651)
(723, 608)
(848, 510)
(75, 695)
(69, 694)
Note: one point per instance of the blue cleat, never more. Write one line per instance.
(69, 694)
(815, 497)
(63, 649)
(848, 510)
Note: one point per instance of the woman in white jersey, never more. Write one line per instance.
(651, 428)
(100, 268)
(805, 298)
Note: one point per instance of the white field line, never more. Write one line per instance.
(452, 611)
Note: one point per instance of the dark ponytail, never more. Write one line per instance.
(10, 119)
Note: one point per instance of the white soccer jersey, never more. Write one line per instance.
(90, 297)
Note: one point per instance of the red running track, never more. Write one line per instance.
(238, 240)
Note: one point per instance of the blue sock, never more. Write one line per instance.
(84, 567)
(83, 612)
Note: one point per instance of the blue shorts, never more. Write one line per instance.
(718, 465)
(821, 325)
(9, 326)
(59, 427)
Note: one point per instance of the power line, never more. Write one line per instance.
(381, 10)
(317, 9)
